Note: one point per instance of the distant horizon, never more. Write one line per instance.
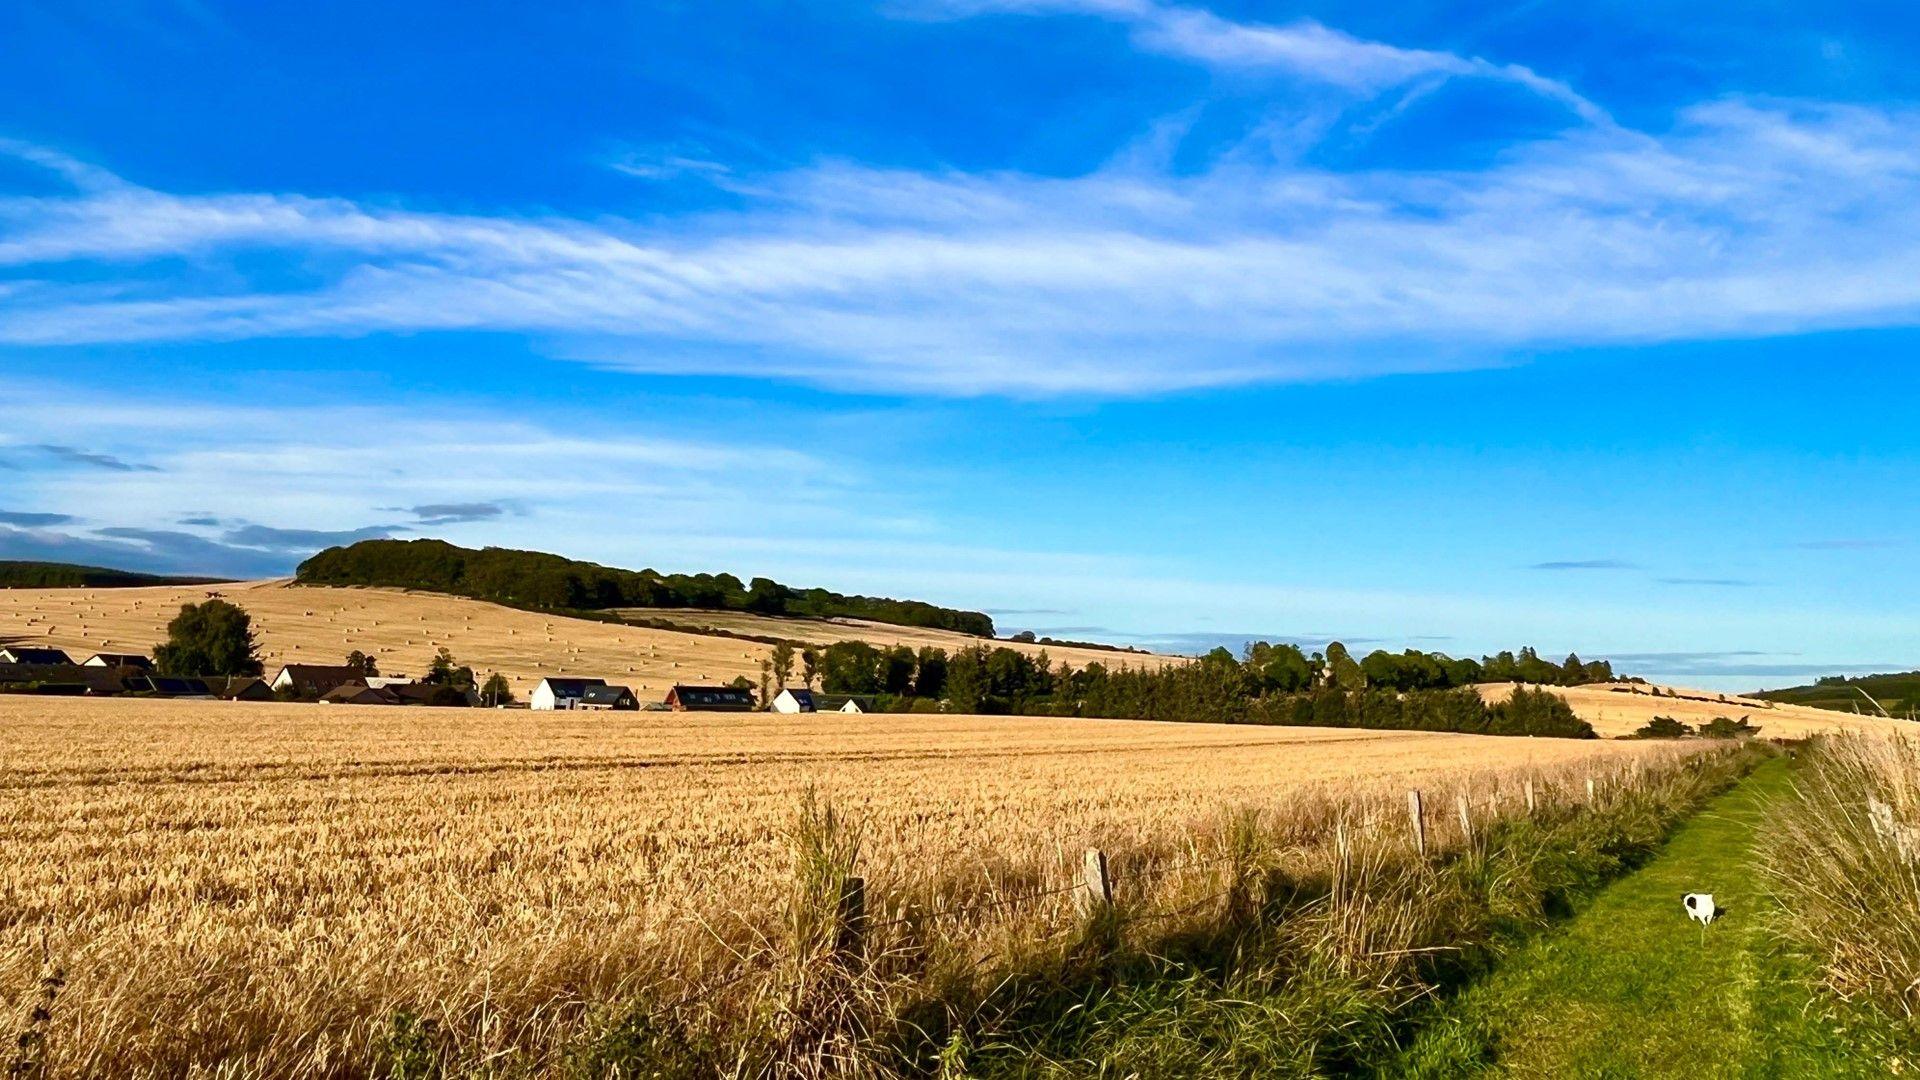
(1196, 645)
(1422, 325)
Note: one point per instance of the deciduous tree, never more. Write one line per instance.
(209, 638)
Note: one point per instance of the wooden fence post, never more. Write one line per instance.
(1096, 887)
(1466, 817)
(1419, 818)
(1590, 796)
(1531, 804)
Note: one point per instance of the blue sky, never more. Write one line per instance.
(1452, 325)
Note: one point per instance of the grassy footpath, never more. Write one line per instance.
(1631, 988)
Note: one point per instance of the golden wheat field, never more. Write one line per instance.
(259, 888)
(402, 630)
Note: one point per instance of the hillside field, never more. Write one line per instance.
(827, 631)
(320, 625)
(1616, 709)
(269, 885)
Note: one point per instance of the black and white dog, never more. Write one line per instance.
(1699, 906)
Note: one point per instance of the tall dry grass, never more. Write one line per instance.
(1274, 940)
(1842, 856)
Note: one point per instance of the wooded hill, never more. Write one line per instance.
(1898, 693)
(543, 582)
(52, 575)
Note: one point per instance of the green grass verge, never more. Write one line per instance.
(1631, 988)
(1327, 985)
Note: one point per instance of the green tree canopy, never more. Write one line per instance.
(1343, 672)
(930, 673)
(444, 672)
(782, 664)
(497, 690)
(209, 638)
(967, 683)
(850, 667)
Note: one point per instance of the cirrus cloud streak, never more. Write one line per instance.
(1746, 218)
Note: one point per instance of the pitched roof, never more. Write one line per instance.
(23, 654)
(168, 686)
(116, 659)
(802, 696)
(351, 694)
(326, 675)
(239, 687)
(571, 687)
(607, 695)
(711, 697)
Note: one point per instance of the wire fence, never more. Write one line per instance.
(1096, 886)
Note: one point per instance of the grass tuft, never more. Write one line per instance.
(1842, 858)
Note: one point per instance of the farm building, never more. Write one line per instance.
(614, 698)
(58, 679)
(21, 654)
(239, 688)
(419, 693)
(359, 695)
(118, 660)
(844, 703)
(555, 693)
(315, 680)
(803, 700)
(790, 700)
(709, 699)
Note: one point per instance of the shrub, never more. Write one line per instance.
(1664, 727)
(1721, 727)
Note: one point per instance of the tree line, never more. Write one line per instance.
(534, 579)
(1268, 684)
(18, 574)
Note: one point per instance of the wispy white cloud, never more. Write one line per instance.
(1746, 218)
(1305, 48)
(669, 163)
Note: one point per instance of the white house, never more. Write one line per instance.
(847, 703)
(561, 693)
(794, 701)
